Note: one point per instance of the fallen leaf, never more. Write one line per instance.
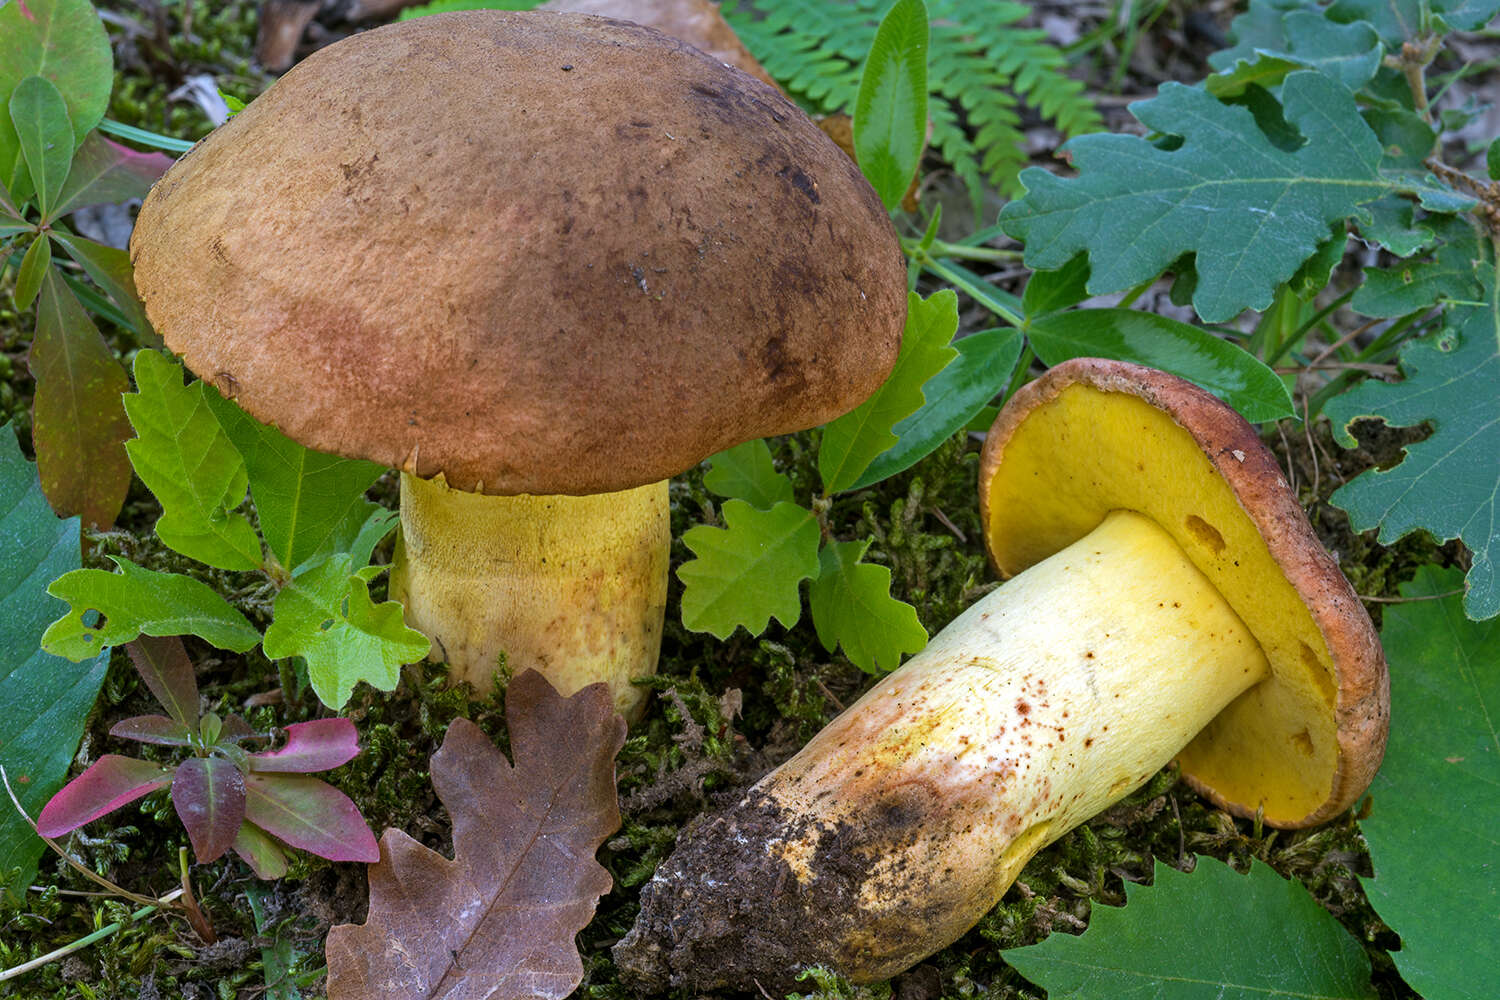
(499, 920)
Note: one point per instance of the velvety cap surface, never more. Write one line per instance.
(535, 253)
(1093, 436)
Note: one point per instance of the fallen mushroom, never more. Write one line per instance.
(1169, 600)
(544, 265)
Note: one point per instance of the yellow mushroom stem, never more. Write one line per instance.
(573, 587)
(909, 816)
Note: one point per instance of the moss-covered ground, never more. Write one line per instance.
(723, 713)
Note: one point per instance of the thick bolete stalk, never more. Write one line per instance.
(553, 258)
(1169, 601)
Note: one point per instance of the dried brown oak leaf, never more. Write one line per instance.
(498, 921)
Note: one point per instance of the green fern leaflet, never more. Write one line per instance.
(981, 68)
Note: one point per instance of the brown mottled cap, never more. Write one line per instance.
(1091, 436)
(535, 253)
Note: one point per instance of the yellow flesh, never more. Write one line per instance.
(1088, 452)
(1059, 693)
(573, 587)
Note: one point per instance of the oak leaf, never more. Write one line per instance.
(498, 921)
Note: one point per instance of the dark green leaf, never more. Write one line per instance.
(749, 571)
(276, 950)
(1408, 286)
(308, 502)
(1230, 373)
(1432, 828)
(107, 172)
(325, 615)
(34, 267)
(1392, 223)
(746, 472)
(1052, 291)
(953, 397)
(1406, 136)
(65, 42)
(1492, 160)
(78, 422)
(186, 460)
(1213, 934)
(1251, 212)
(1314, 274)
(39, 116)
(111, 271)
(890, 111)
(44, 700)
(853, 441)
(1400, 20)
(1448, 484)
(852, 606)
(137, 600)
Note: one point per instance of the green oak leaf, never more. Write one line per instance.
(955, 396)
(1393, 224)
(1401, 20)
(137, 600)
(890, 109)
(310, 504)
(852, 442)
(1250, 211)
(852, 606)
(189, 463)
(326, 616)
(1432, 828)
(1350, 53)
(1448, 484)
(746, 472)
(1232, 374)
(64, 42)
(1214, 934)
(749, 571)
(1408, 286)
(44, 700)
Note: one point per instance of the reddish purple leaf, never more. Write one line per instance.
(259, 850)
(112, 782)
(235, 729)
(78, 421)
(309, 814)
(209, 795)
(319, 745)
(164, 665)
(105, 171)
(153, 729)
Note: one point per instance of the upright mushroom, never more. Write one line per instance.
(540, 263)
(1169, 599)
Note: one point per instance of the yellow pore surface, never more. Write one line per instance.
(1087, 452)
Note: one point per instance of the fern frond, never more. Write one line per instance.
(981, 69)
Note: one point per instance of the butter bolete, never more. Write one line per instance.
(1168, 600)
(540, 263)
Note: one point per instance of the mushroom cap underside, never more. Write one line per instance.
(534, 253)
(1091, 436)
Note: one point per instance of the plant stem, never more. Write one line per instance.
(86, 941)
(942, 248)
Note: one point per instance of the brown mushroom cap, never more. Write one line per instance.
(535, 253)
(1093, 436)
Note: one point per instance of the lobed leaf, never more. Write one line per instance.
(854, 440)
(523, 880)
(746, 472)
(318, 745)
(309, 814)
(44, 700)
(135, 601)
(78, 422)
(750, 570)
(208, 794)
(111, 782)
(1432, 827)
(1349, 53)
(189, 464)
(325, 615)
(1411, 286)
(310, 504)
(1251, 212)
(1448, 484)
(852, 607)
(890, 109)
(1214, 933)
(1232, 374)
